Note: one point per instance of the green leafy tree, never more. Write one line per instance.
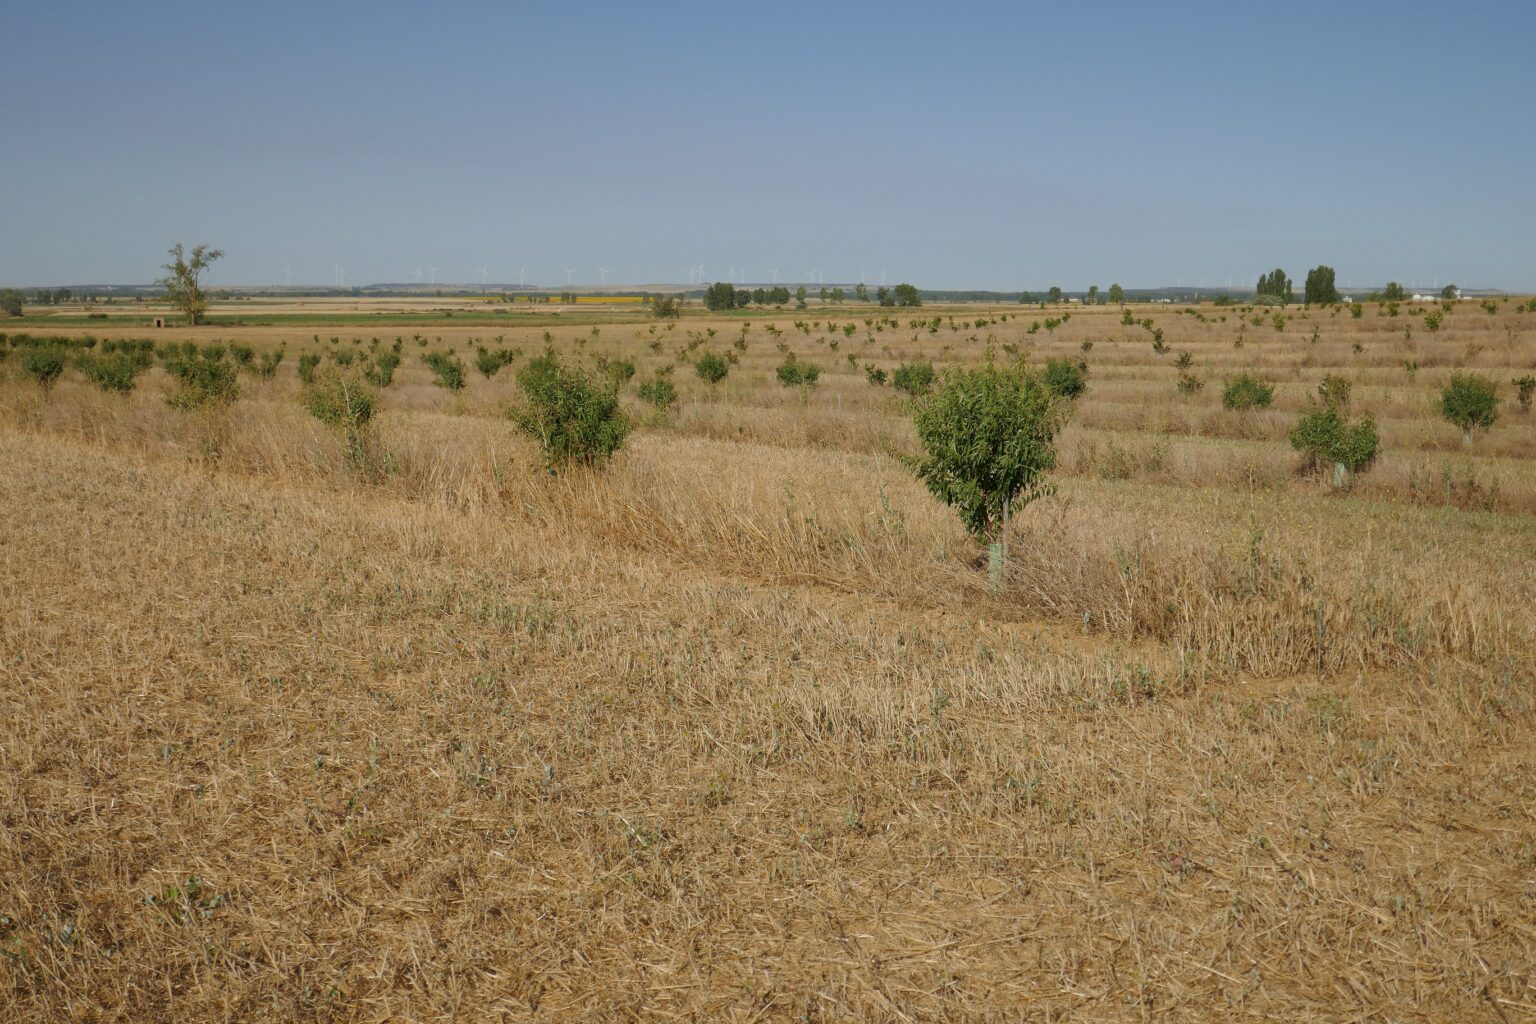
(1276, 286)
(720, 296)
(1054, 295)
(906, 295)
(183, 280)
(1471, 402)
(1393, 292)
(575, 419)
(665, 307)
(1117, 295)
(1093, 295)
(860, 292)
(988, 439)
(1321, 289)
(11, 301)
(1450, 293)
(1326, 435)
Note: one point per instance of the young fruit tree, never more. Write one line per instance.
(575, 419)
(1245, 391)
(1471, 402)
(988, 438)
(347, 404)
(1325, 434)
(183, 280)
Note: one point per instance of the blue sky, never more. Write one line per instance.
(998, 146)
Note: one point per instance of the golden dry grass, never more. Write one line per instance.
(732, 731)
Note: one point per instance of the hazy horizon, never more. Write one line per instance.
(993, 147)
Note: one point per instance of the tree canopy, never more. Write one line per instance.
(1321, 290)
(183, 280)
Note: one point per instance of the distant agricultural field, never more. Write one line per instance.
(322, 697)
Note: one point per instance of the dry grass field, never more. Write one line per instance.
(734, 729)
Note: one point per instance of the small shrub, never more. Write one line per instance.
(447, 369)
(574, 419)
(1064, 379)
(489, 362)
(201, 383)
(874, 375)
(1471, 402)
(307, 363)
(347, 404)
(44, 364)
(659, 391)
(795, 374)
(711, 368)
(1245, 391)
(1189, 384)
(1325, 435)
(1333, 392)
(1524, 387)
(988, 435)
(620, 371)
(266, 366)
(242, 354)
(915, 379)
(111, 372)
(381, 371)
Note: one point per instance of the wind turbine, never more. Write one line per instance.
(603, 273)
(522, 275)
(775, 276)
(568, 272)
(810, 277)
(434, 275)
(417, 272)
(288, 275)
(482, 275)
(882, 278)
